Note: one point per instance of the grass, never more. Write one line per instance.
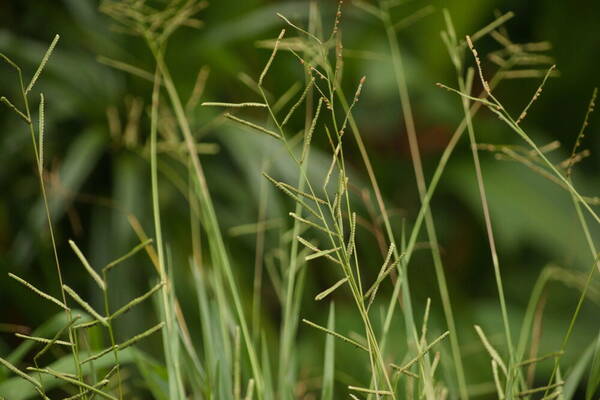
(228, 350)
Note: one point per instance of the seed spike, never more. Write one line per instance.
(337, 335)
(268, 65)
(338, 18)
(283, 186)
(314, 225)
(371, 391)
(422, 353)
(384, 270)
(309, 133)
(42, 64)
(39, 292)
(125, 344)
(85, 305)
(232, 105)
(22, 374)
(331, 289)
(536, 95)
(137, 301)
(252, 125)
(300, 100)
(41, 134)
(477, 99)
(490, 349)
(321, 253)
(87, 266)
(581, 133)
(141, 336)
(485, 84)
(325, 253)
(129, 254)
(352, 240)
(497, 380)
(43, 340)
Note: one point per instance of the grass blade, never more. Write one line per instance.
(594, 377)
(329, 359)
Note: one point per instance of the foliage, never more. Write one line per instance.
(316, 211)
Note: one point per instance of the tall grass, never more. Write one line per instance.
(235, 354)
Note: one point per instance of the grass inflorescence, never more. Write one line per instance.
(235, 353)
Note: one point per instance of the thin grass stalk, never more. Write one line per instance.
(290, 319)
(453, 49)
(217, 245)
(590, 241)
(111, 334)
(40, 169)
(514, 125)
(354, 281)
(259, 249)
(422, 188)
(168, 334)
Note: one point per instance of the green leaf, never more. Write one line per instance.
(154, 374)
(574, 378)
(329, 362)
(594, 378)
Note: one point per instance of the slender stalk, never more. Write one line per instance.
(217, 245)
(168, 334)
(422, 188)
(111, 334)
(40, 174)
(590, 242)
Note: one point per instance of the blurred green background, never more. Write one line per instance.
(97, 178)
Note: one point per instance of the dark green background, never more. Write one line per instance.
(533, 219)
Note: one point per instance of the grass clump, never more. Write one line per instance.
(233, 351)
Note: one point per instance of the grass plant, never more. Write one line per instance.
(228, 350)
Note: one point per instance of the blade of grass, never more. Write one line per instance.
(422, 189)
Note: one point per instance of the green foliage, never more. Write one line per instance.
(280, 169)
